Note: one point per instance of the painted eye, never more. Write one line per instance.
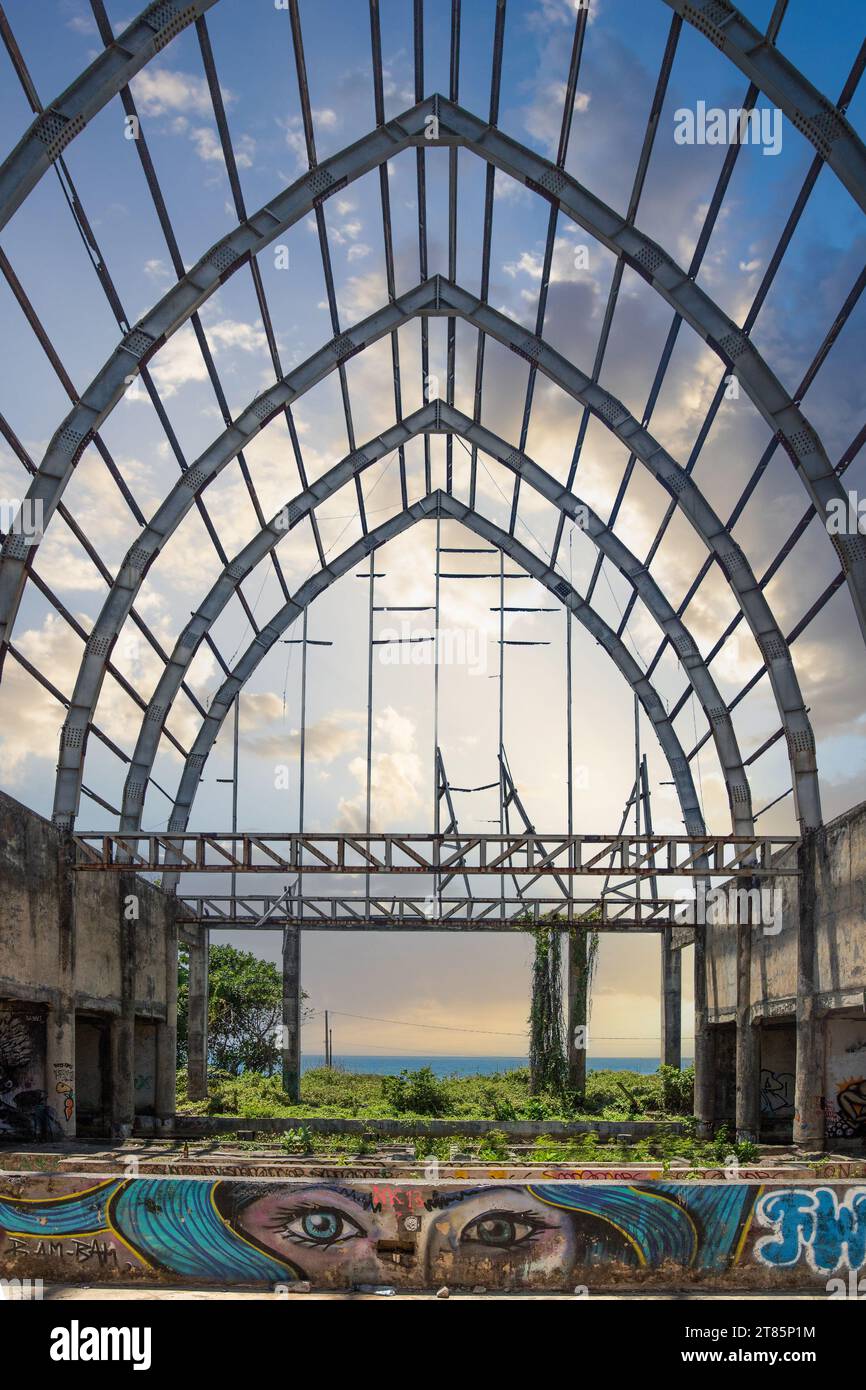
(321, 1226)
(501, 1229)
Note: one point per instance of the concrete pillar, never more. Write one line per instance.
(197, 1039)
(704, 1088)
(748, 1065)
(166, 1033)
(123, 1023)
(291, 1033)
(808, 1081)
(60, 1023)
(578, 1008)
(671, 1002)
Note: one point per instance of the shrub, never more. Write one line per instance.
(677, 1089)
(416, 1092)
(297, 1141)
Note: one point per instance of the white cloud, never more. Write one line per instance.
(265, 732)
(180, 361)
(208, 148)
(162, 91)
(155, 269)
(325, 118)
(396, 779)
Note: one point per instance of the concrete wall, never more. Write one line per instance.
(101, 948)
(553, 1234)
(838, 860)
(841, 948)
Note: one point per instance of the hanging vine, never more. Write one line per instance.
(548, 1067)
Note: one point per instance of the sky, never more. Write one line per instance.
(473, 981)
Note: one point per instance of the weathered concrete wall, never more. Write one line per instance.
(831, 1011)
(498, 1234)
(102, 946)
(841, 932)
(196, 1126)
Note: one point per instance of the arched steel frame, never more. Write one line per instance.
(456, 127)
(439, 417)
(432, 504)
(813, 114)
(57, 126)
(819, 120)
(439, 297)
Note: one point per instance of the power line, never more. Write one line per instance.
(490, 1032)
(444, 1027)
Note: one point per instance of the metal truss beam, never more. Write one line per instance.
(469, 913)
(571, 856)
(439, 504)
(70, 112)
(436, 417)
(460, 127)
(439, 297)
(823, 124)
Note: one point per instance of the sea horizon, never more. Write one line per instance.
(448, 1065)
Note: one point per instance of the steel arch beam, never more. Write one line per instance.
(436, 417)
(442, 504)
(437, 297)
(822, 123)
(47, 137)
(460, 127)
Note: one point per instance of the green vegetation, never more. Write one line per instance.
(548, 1066)
(244, 1012)
(419, 1095)
(610, 1095)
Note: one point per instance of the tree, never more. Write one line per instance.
(245, 1001)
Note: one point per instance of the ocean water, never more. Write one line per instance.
(467, 1066)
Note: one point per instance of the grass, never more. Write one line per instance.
(504, 1096)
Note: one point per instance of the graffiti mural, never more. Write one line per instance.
(24, 1110)
(826, 1227)
(417, 1235)
(845, 1099)
(777, 1093)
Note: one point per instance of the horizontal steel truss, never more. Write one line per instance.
(638, 856)
(435, 417)
(438, 297)
(48, 136)
(456, 127)
(819, 120)
(610, 914)
(440, 504)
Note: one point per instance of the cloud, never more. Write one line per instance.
(396, 779)
(208, 148)
(32, 718)
(323, 117)
(156, 269)
(180, 361)
(165, 91)
(83, 24)
(264, 731)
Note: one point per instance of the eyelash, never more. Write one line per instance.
(283, 1219)
(527, 1218)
